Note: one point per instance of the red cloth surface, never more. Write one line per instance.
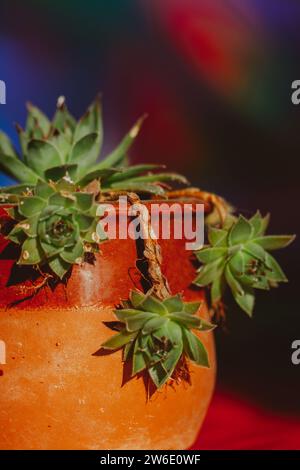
(233, 423)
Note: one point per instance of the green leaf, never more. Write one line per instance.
(85, 152)
(68, 171)
(233, 283)
(84, 201)
(123, 313)
(138, 359)
(43, 190)
(185, 319)
(101, 174)
(274, 273)
(84, 221)
(63, 120)
(158, 375)
(217, 237)
(72, 254)
(136, 297)
(117, 156)
(194, 348)
(59, 266)
(30, 206)
(172, 359)
(274, 242)
(237, 263)
(174, 303)
(36, 118)
(66, 201)
(191, 307)
(42, 155)
(31, 252)
(217, 289)
(255, 250)
(119, 340)
(240, 232)
(6, 147)
(90, 122)
(131, 172)
(136, 187)
(136, 322)
(151, 304)
(154, 324)
(153, 178)
(246, 301)
(16, 235)
(16, 168)
(207, 255)
(29, 226)
(209, 272)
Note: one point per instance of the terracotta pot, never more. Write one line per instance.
(57, 392)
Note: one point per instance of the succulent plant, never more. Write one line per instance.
(238, 256)
(55, 226)
(51, 150)
(156, 333)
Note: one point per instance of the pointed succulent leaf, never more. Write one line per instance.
(158, 374)
(152, 304)
(154, 324)
(59, 266)
(246, 301)
(117, 156)
(174, 303)
(6, 147)
(171, 360)
(194, 348)
(209, 272)
(240, 232)
(73, 254)
(191, 307)
(274, 271)
(255, 250)
(217, 237)
(84, 201)
(90, 122)
(16, 168)
(132, 171)
(30, 206)
(137, 187)
(62, 119)
(274, 242)
(31, 252)
(67, 171)
(42, 155)
(207, 255)
(101, 174)
(87, 150)
(217, 289)
(36, 118)
(185, 319)
(124, 313)
(153, 178)
(119, 340)
(136, 322)
(233, 283)
(43, 190)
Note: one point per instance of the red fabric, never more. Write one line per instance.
(232, 423)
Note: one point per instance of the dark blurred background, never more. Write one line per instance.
(215, 78)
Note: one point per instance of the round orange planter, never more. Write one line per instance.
(57, 391)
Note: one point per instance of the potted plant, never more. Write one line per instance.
(109, 342)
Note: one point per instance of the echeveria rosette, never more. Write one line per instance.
(55, 226)
(239, 256)
(156, 333)
(64, 148)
